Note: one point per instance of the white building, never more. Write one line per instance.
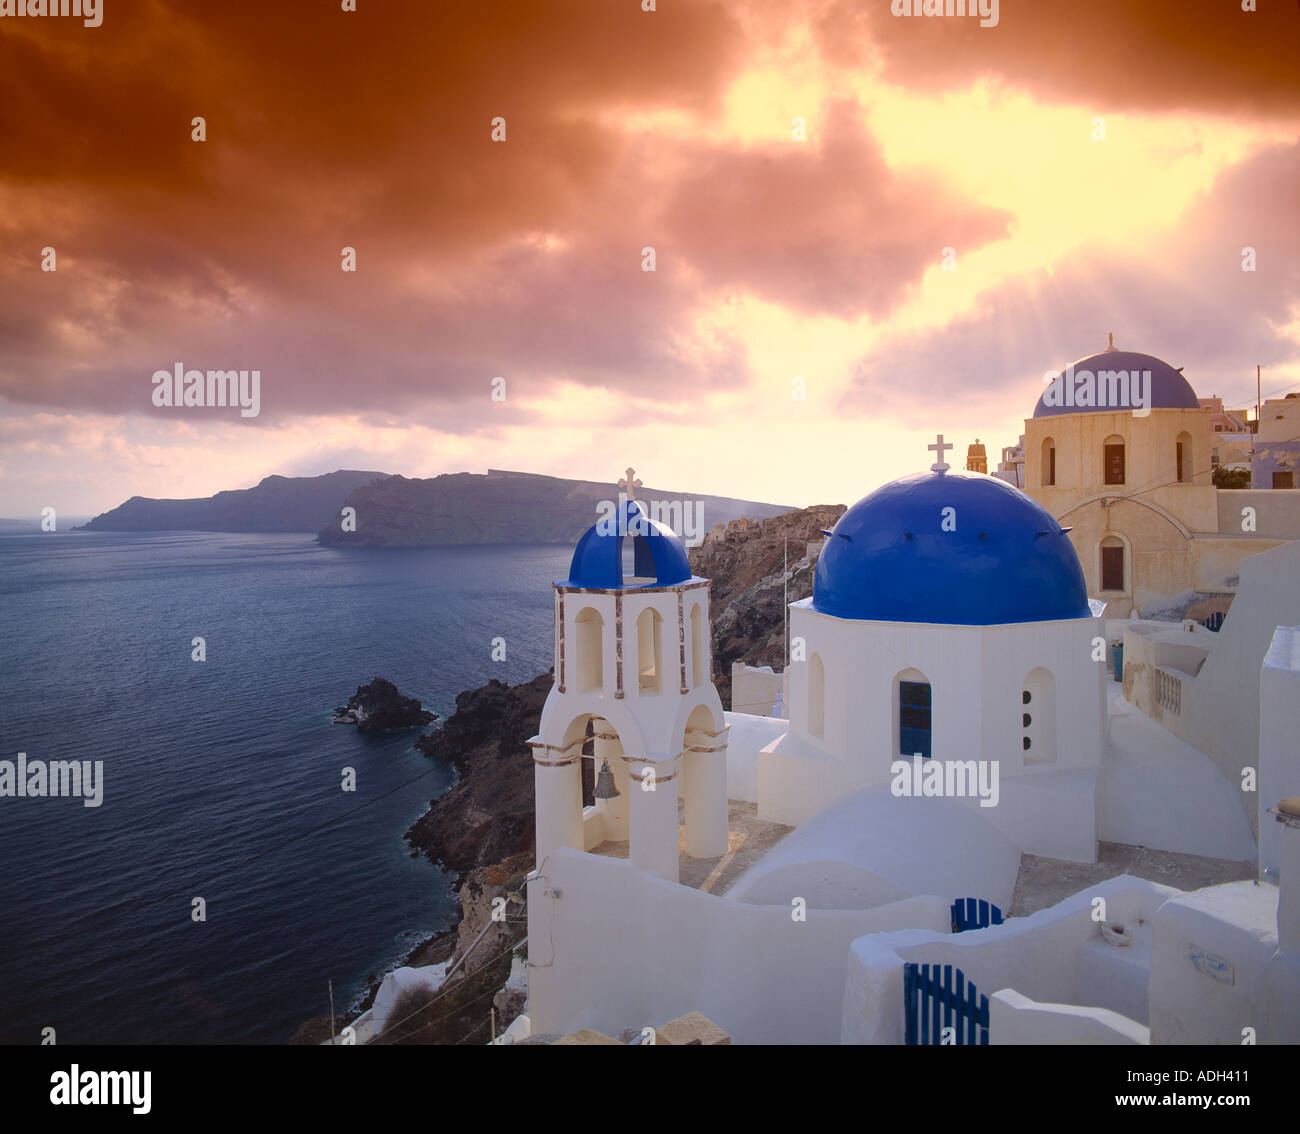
(949, 709)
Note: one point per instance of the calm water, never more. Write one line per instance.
(223, 778)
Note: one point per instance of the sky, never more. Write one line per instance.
(867, 229)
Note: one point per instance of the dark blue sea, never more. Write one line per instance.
(222, 778)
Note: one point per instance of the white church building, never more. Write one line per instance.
(950, 709)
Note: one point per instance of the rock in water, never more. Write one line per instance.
(379, 707)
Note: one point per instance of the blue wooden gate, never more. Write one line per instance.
(974, 913)
(936, 997)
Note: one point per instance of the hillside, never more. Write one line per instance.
(749, 586)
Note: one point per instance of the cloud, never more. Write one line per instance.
(1205, 55)
(475, 259)
(1188, 302)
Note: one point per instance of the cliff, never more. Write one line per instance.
(746, 600)
(506, 507)
(275, 504)
(488, 815)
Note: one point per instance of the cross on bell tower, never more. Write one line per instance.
(626, 483)
(940, 466)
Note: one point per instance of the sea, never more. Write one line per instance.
(227, 878)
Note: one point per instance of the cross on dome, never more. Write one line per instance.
(1110, 345)
(940, 448)
(628, 484)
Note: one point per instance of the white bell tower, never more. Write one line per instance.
(633, 679)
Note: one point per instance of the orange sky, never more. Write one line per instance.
(782, 253)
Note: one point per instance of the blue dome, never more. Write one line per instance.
(1167, 389)
(1007, 560)
(659, 556)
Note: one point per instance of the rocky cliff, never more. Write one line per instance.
(488, 815)
(506, 507)
(275, 504)
(751, 584)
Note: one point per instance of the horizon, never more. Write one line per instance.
(866, 230)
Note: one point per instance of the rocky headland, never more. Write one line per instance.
(274, 504)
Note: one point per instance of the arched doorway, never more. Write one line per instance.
(1112, 564)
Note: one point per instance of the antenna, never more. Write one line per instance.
(785, 604)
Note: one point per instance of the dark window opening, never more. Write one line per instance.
(913, 718)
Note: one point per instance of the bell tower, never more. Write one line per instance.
(633, 693)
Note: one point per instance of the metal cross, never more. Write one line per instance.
(629, 484)
(939, 447)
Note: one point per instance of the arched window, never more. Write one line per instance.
(1183, 458)
(1113, 460)
(1038, 717)
(649, 655)
(912, 713)
(1112, 564)
(590, 650)
(699, 655)
(1049, 462)
(816, 696)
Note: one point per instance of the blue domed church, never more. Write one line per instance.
(949, 623)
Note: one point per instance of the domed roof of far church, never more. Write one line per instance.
(1168, 389)
(659, 556)
(1005, 559)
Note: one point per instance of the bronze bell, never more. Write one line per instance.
(605, 788)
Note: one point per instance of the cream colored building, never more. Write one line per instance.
(1231, 439)
(1119, 450)
(1275, 459)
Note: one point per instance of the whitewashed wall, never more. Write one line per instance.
(1016, 1020)
(976, 675)
(1279, 738)
(1047, 956)
(1209, 968)
(613, 948)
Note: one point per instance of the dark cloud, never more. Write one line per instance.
(475, 259)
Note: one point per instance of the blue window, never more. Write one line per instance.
(913, 718)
